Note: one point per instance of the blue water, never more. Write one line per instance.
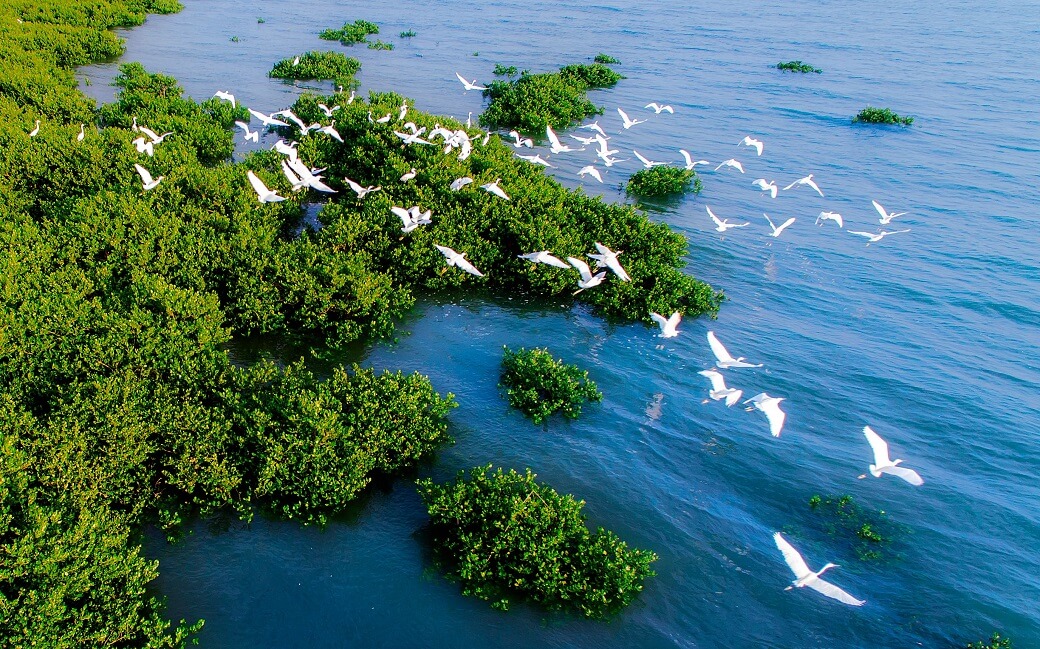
(931, 337)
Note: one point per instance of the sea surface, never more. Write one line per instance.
(931, 337)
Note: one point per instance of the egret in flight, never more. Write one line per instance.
(886, 217)
(690, 162)
(731, 163)
(750, 141)
(722, 225)
(658, 108)
(806, 181)
(252, 136)
(805, 577)
(495, 189)
(765, 186)
(591, 171)
(608, 258)
(458, 259)
(667, 325)
(649, 164)
(262, 192)
(545, 257)
(830, 216)
(882, 464)
(874, 238)
(470, 85)
(771, 407)
(146, 178)
(723, 358)
(588, 280)
(718, 388)
(777, 230)
(627, 121)
(459, 183)
(226, 96)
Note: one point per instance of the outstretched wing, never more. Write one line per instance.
(661, 321)
(555, 141)
(582, 267)
(258, 185)
(718, 349)
(909, 475)
(878, 445)
(880, 210)
(143, 173)
(791, 556)
(774, 414)
(718, 382)
(713, 218)
(830, 590)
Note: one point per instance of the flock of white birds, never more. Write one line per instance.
(301, 176)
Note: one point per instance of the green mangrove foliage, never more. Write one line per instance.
(797, 66)
(871, 115)
(411, 33)
(505, 537)
(869, 533)
(995, 642)
(380, 45)
(559, 99)
(606, 59)
(539, 386)
(351, 33)
(663, 180)
(332, 66)
(505, 71)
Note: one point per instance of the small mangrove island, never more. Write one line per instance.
(540, 386)
(871, 115)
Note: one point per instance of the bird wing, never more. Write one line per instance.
(653, 105)
(555, 141)
(462, 79)
(792, 184)
(785, 224)
(623, 115)
(718, 349)
(810, 182)
(582, 267)
(674, 319)
(595, 174)
(446, 251)
(713, 217)
(718, 382)
(774, 414)
(832, 591)
(880, 210)
(258, 185)
(771, 224)
(792, 557)
(358, 189)
(646, 163)
(686, 156)
(660, 320)
(403, 214)
(463, 264)
(909, 475)
(143, 173)
(878, 445)
(459, 183)
(614, 265)
(869, 235)
(290, 175)
(552, 260)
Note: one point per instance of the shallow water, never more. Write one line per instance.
(931, 337)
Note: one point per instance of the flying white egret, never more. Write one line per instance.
(771, 407)
(830, 216)
(777, 230)
(536, 159)
(874, 238)
(294, 118)
(459, 183)
(766, 186)
(519, 141)
(649, 164)
(267, 120)
(592, 171)
(144, 146)
(690, 162)
(226, 96)
(806, 181)
(806, 577)
(658, 108)
(359, 190)
(750, 141)
(731, 163)
(146, 177)
(886, 217)
(252, 136)
(723, 358)
(585, 140)
(153, 136)
(328, 111)
(412, 138)
(331, 131)
(82, 134)
(262, 192)
(307, 176)
(588, 280)
(458, 259)
(722, 225)
(36, 129)
(412, 217)
(545, 257)
(470, 85)
(603, 149)
(668, 325)
(595, 127)
(628, 122)
(410, 175)
(555, 145)
(290, 175)
(610, 162)
(286, 149)
(718, 388)
(495, 189)
(608, 258)
(882, 464)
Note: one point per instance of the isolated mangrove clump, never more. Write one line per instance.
(533, 101)
(606, 59)
(351, 33)
(663, 180)
(505, 537)
(411, 33)
(871, 115)
(539, 385)
(332, 66)
(797, 66)
(996, 641)
(505, 70)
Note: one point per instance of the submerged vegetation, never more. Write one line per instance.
(869, 533)
(871, 115)
(995, 642)
(351, 33)
(663, 180)
(505, 71)
(797, 66)
(506, 537)
(557, 99)
(411, 33)
(380, 45)
(539, 386)
(333, 66)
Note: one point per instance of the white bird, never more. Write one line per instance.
(874, 238)
(144, 146)
(519, 141)
(296, 61)
(35, 130)
(412, 217)
(290, 175)
(731, 163)
(886, 218)
(806, 181)
(226, 96)
(591, 171)
(146, 177)
(718, 388)
(765, 186)
(459, 183)
(777, 230)
(649, 164)
(328, 111)
(469, 85)
(806, 577)
(585, 140)
(667, 325)
(403, 110)
(884, 465)
(495, 189)
(294, 118)
(610, 162)
(750, 141)
(82, 134)
(659, 107)
(603, 149)
(723, 358)
(722, 225)
(253, 136)
(595, 127)
(690, 162)
(412, 138)
(458, 259)
(628, 122)
(307, 176)
(331, 131)
(359, 190)
(545, 257)
(770, 406)
(554, 142)
(830, 216)
(408, 176)
(262, 192)
(588, 280)
(608, 258)
(536, 159)
(286, 149)
(350, 100)
(153, 136)
(267, 120)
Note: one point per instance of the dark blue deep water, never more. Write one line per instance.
(931, 336)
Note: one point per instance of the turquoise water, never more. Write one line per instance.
(931, 337)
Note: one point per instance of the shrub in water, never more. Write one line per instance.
(411, 33)
(605, 59)
(797, 66)
(505, 537)
(995, 642)
(663, 180)
(380, 45)
(504, 71)
(871, 115)
(318, 65)
(539, 386)
(351, 33)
